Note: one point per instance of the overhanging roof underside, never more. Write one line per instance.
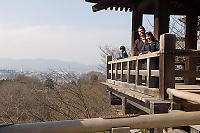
(146, 6)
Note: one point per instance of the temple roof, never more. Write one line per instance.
(179, 7)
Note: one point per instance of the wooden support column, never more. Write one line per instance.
(157, 107)
(136, 22)
(167, 64)
(127, 108)
(114, 100)
(191, 43)
(191, 31)
(161, 17)
(109, 58)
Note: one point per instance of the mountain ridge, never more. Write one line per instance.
(44, 65)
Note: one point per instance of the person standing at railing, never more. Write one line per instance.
(123, 52)
(140, 41)
(152, 44)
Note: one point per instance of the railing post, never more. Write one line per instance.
(167, 64)
(123, 65)
(152, 82)
(190, 65)
(108, 66)
(116, 67)
(149, 79)
(128, 71)
(138, 79)
(111, 72)
(121, 76)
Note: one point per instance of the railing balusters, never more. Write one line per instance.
(138, 79)
(116, 71)
(112, 76)
(121, 76)
(148, 82)
(128, 71)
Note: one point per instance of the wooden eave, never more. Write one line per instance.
(176, 7)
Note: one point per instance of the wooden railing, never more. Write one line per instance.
(115, 125)
(151, 73)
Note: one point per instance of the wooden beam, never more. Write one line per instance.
(110, 3)
(103, 5)
(136, 22)
(191, 43)
(144, 4)
(161, 17)
(92, 1)
(191, 31)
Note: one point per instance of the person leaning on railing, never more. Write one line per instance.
(123, 53)
(152, 45)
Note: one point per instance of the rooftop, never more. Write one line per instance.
(176, 7)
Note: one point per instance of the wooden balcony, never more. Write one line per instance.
(142, 80)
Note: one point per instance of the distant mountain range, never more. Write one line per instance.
(45, 65)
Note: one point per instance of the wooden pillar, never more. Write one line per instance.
(127, 108)
(157, 107)
(136, 22)
(161, 17)
(114, 100)
(167, 64)
(191, 31)
(191, 43)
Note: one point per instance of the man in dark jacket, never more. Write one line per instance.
(139, 42)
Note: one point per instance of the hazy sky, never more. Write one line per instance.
(60, 29)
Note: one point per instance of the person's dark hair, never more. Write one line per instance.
(122, 47)
(150, 34)
(141, 27)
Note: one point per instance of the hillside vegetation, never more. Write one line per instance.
(26, 99)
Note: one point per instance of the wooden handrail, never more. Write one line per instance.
(132, 69)
(101, 124)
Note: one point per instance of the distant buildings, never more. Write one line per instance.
(5, 74)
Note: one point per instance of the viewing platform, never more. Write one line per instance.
(131, 84)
